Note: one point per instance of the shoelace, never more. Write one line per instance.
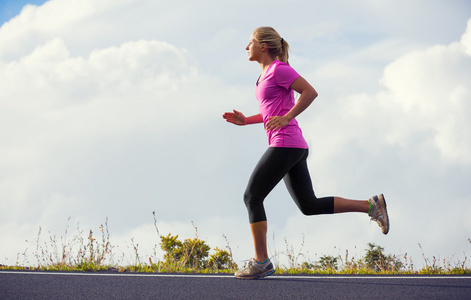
(250, 262)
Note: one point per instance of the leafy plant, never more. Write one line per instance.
(193, 254)
(377, 261)
(222, 260)
(328, 262)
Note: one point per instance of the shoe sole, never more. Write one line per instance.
(265, 274)
(383, 207)
(259, 276)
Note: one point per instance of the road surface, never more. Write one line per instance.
(73, 285)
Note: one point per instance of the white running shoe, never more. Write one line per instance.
(379, 212)
(256, 270)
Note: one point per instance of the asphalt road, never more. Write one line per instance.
(67, 285)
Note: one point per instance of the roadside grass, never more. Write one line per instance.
(94, 253)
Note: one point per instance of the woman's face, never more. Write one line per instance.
(254, 49)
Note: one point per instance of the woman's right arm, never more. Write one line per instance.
(238, 118)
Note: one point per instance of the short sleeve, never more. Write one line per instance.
(285, 75)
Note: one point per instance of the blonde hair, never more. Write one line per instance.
(277, 47)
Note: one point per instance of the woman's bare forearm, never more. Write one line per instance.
(254, 119)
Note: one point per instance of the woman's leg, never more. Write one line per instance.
(342, 205)
(298, 182)
(270, 170)
(299, 185)
(259, 234)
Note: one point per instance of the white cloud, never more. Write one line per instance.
(431, 88)
(466, 39)
(68, 116)
(426, 92)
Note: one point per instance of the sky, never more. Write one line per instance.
(112, 109)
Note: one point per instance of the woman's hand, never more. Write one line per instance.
(235, 117)
(276, 122)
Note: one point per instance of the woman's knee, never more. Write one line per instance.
(319, 206)
(308, 210)
(255, 208)
(247, 198)
(250, 199)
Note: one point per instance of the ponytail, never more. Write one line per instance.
(283, 56)
(277, 47)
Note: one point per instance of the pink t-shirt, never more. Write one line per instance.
(276, 98)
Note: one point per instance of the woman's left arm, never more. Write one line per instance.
(307, 95)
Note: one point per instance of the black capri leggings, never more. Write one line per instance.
(290, 165)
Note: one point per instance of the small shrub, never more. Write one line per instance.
(328, 262)
(377, 261)
(222, 260)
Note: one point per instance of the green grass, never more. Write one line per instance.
(92, 253)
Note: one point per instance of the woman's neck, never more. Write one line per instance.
(265, 62)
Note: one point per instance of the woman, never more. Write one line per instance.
(287, 152)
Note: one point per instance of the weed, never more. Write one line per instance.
(91, 253)
(292, 255)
